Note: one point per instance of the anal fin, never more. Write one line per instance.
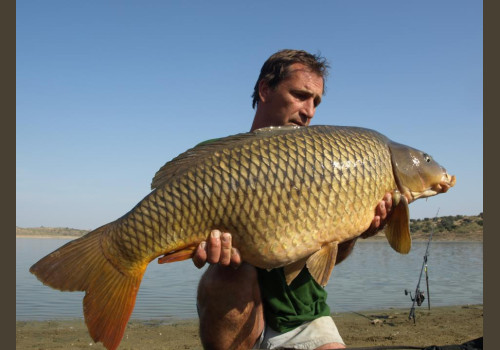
(321, 263)
(293, 270)
(397, 229)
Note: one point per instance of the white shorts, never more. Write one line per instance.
(309, 335)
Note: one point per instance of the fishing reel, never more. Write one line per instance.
(419, 296)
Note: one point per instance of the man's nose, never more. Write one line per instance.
(308, 110)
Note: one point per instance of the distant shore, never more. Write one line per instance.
(458, 228)
(440, 326)
(46, 236)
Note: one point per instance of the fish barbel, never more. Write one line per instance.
(288, 195)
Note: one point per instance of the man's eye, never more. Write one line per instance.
(300, 96)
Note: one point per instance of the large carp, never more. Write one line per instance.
(288, 195)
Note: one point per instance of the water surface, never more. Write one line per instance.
(373, 277)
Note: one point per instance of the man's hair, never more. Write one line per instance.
(276, 68)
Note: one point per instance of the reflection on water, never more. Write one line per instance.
(373, 277)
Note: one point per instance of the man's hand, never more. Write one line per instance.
(382, 211)
(217, 249)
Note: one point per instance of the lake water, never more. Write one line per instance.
(373, 277)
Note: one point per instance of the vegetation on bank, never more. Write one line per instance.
(457, 223)
(457, 227)
(448, 228)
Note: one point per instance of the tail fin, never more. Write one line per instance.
(81, 265)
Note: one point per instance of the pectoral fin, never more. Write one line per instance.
(293, 270)
(321, 263)
(397, 229)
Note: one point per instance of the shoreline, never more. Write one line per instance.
(445, 325)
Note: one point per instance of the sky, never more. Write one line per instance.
(108, 92)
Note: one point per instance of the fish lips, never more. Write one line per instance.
(447, 182)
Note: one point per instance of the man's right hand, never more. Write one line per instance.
(217, 249)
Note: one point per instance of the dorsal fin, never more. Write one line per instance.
(199, 153)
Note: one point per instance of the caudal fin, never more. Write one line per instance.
(110, 290)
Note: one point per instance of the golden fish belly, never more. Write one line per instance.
(282, 197)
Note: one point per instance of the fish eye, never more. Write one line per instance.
(427, 157)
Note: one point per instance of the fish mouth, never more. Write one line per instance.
(447, 182)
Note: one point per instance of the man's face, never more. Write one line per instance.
(293, 101)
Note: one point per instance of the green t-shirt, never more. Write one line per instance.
(287, 307)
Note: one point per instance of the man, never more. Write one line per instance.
(240, 306)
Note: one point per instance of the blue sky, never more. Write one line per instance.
(107, 92)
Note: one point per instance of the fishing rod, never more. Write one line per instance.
(419, 295)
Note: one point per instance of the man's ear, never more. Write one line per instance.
(264, 90)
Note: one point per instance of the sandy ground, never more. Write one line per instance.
(439, 326)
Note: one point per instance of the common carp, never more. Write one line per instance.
(289, 196)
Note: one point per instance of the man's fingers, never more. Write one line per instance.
(382, 212)
(217, 250)
(225, 253)
(235, 258)
(388, 201)
(214, 247)
(200, 255)
(388, 204)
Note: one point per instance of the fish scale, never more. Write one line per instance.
(263, 197)
(288, 196)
